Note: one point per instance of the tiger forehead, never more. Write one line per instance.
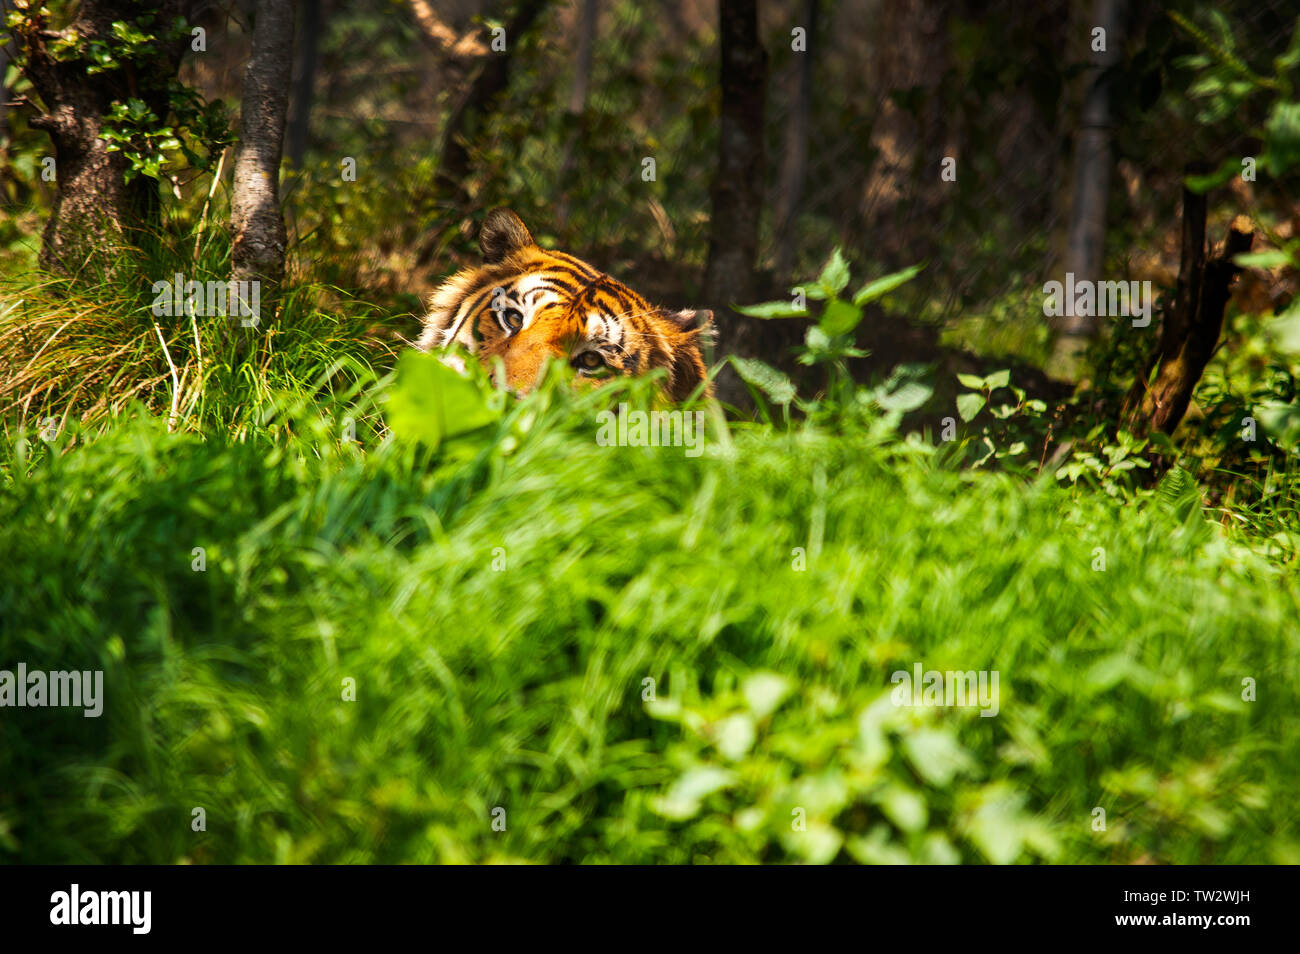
(585, 296)
(573, 279)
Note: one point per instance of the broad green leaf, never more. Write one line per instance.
(766, 378)
(969, 404)
(972, 381)
(431, 402)
(883, 286)
(683, 799)
(905, 808)
(938, 850)
(998, 827)
(907, 398)
(817, 845)
(772, 309)
(835, 274)
(876, 848)
(764, 692)
(1285, 329)
(818, 343)
(936, 755)
(998, 379)
(1269, 258)
(1280, 421)
(734, 736)
(840, 317)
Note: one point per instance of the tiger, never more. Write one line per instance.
(526, 305)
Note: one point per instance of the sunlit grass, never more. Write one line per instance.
(82, 349)
(616, 647)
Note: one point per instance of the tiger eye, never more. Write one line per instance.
(512, 320)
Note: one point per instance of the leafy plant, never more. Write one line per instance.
(1027, 411)
(829, 344)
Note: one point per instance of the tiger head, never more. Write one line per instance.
(526, 305)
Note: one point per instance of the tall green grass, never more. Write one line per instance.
(563, 652)
(83, 348)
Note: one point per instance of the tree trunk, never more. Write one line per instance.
(1086, 238)
(1190, 328)
(4, 96)
(96, 211)
(467, 116)
(794, 162)
(587, 14)
(910, 131)
(305, 83)
(737, 191)
(255, 215)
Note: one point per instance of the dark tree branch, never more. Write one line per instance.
(1191, 326)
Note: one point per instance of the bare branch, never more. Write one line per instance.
(443, 37)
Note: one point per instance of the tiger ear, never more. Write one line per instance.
(503, 232)
(686, 368)
(688, 318)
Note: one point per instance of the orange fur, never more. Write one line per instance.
(526, 305)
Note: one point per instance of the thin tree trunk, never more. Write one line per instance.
(1086, 238)
(902, 194)
(1190, 328)
(729, 276)
(255, 215)
(588, 15)
(305, 83)
(4, 89)
(794, 162)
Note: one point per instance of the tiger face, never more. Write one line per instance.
(527, 305)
